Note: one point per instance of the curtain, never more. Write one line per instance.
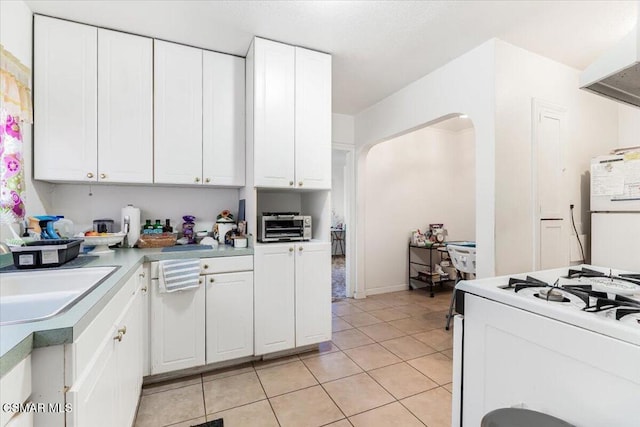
(15, 109)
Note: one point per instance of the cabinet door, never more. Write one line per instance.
(223, 141)
(229, 316)
(313, 119)
(274, 298)
(129, 360)
(178, 114)
(274, 97)
(65, 88)
(94, 395)
(125, 107)
(313, 293)
(177, 329)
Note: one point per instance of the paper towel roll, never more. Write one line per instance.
(134, 225)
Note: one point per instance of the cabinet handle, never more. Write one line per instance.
(197, 179)
(290, 182)
(89, 175)
(290, 249)
(119, 336)
(300, 248)
(300, 184)
(206, 266)
(207, 180)
(211, 280)
(103, 176)
(123, 330)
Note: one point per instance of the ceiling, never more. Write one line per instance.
(378, 47)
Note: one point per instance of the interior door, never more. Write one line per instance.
(551, 234)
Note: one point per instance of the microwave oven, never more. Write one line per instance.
(283, 227)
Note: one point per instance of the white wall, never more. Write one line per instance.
(15, 35)
(464, 85)
(592, 129)
(628, 126)
(427, 176)
(342, 129)
(75, 202)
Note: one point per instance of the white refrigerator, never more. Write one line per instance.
(615, 211)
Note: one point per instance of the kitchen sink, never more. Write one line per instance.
(37, 295)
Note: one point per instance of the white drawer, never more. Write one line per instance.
(228, 264)
(15, 387)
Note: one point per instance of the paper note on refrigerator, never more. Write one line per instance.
(607, 179)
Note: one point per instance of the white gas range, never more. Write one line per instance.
(564, 342)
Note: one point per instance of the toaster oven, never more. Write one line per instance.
(283, 227)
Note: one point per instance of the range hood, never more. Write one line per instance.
(616, 74)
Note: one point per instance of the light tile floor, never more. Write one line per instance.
(389, 363)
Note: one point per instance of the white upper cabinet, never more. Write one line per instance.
(313, 119)
(290, 89)
(273, 114)
(65, 109)
(223, 127)
(125, 107)
(178, 114)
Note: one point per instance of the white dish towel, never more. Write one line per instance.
(179, 275)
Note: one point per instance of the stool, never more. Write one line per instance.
(518, 417)
(337, 241)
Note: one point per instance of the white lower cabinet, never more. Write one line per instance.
(274, 297)
(106, 392)
(292, 295)
(177, 329)
(313, 293)
(229, 314)
(15, 387)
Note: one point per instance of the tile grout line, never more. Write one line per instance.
(267, 397)
(327, 393)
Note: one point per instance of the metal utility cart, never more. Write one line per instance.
(420, 267)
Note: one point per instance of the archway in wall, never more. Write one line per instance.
(422, 177)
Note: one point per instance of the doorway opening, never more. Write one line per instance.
(417, 181)
(342, 179)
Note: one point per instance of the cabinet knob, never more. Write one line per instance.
(119, 337)
(206, 266)
(207, 180)
(142, 275)
(144, 289)
(290, 249)
(211, 280)
(290, 182)
(199, 281)
(300, 248)
(103, 176)
(89, 175)
(300, 184)
(123, 330)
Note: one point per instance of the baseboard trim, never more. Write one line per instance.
(386, 289)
